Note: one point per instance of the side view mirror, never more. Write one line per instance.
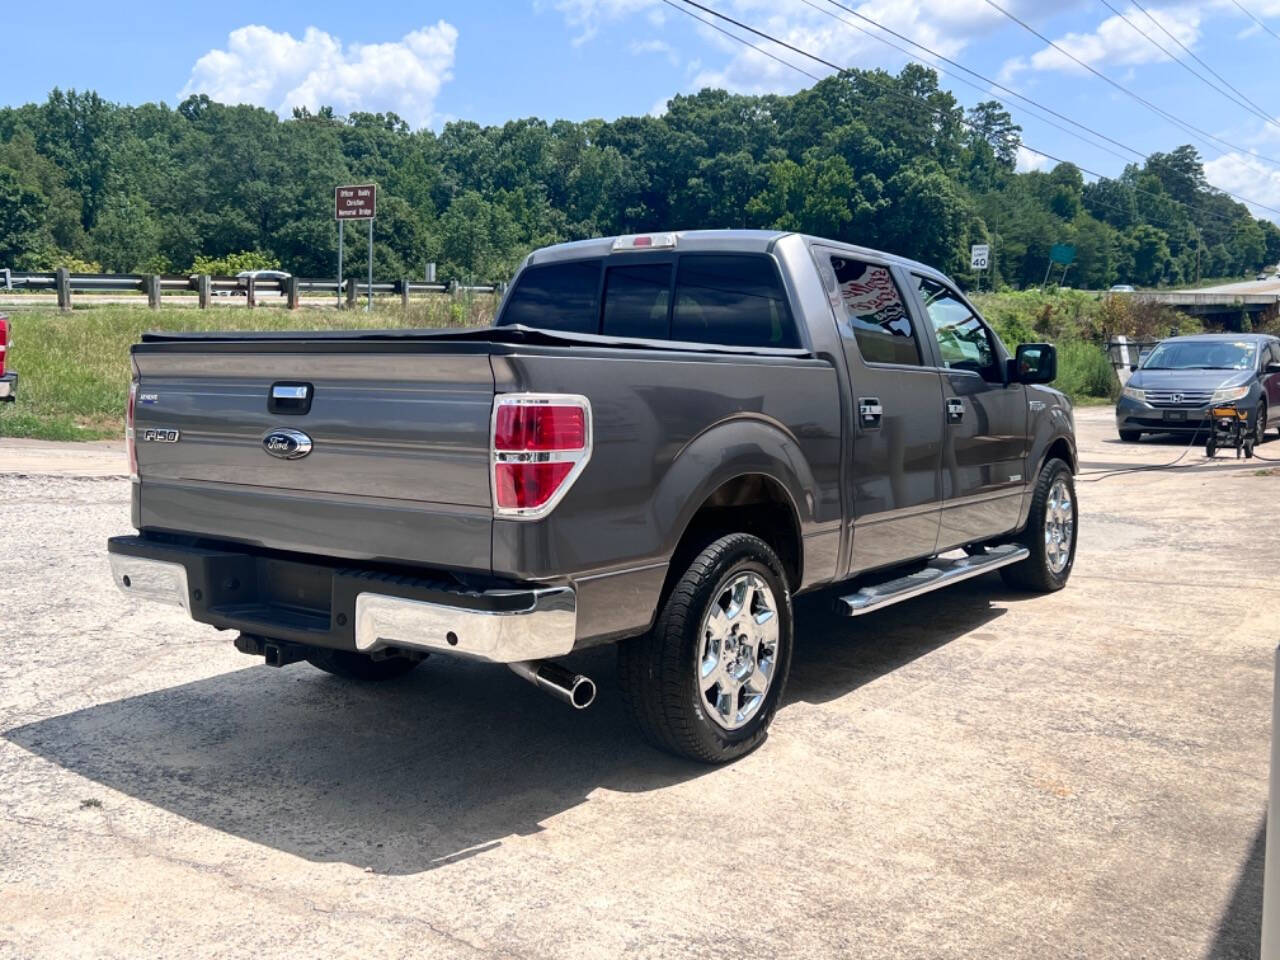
(1034, 363)
(1273, 367)
(1133, 368)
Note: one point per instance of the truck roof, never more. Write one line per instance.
(716, 241)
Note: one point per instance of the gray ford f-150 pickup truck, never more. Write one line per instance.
(663, 439)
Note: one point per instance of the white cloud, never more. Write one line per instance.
(1116, 42)
(1028, 161)
(656, 46)
(947, 26)
(1247, 176)
(586, 16)
(273, 69)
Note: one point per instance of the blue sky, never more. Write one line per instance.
(491, 61)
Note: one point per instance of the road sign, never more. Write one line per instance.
(1063, 253)
(356, 203)
(979, 256)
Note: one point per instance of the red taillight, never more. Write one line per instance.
(129, 440)
(6, 338)
(540, 444)
(526, 427)
(528, 486)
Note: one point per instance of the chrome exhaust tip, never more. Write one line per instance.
(573, 688)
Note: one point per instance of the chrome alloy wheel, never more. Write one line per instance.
(1059, 526)
(737, 654)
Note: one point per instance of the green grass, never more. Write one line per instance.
(1085, 372)
(74, 367)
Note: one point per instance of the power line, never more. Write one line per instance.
(720, 29)
(959, 66)
(1236, 99)
(937, 110)
(1255, 19)
(934, 53)
(1192, 54)
(1159, 111)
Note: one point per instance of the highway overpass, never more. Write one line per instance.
(1227, 304)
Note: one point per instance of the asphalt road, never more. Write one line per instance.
(1271, 285)
(975, 774)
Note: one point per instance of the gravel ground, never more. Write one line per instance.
(976, 774)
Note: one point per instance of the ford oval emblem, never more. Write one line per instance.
(287, 444)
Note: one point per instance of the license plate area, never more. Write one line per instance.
(1175, 416)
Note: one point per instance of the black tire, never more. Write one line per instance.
(1210, 447)
(1130, 436)
(656, 670)
(359, 666)
(1260, 424)
(1036, 574)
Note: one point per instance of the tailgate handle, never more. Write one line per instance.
(290, 398)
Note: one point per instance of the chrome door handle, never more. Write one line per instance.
(955, 410)
(870, 411)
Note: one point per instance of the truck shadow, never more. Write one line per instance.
(1239, 930)
(436, 767)
(835, 655)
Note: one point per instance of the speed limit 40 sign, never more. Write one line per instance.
(979, 256)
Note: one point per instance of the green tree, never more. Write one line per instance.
(1150, 251)
(125, 237)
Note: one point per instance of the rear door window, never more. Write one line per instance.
(875, 312)
(557, 296)
(732, 300)
(636, 298)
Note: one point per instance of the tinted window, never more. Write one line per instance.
(558, 296)
(963, 339)
(732, 300)
(875, 312)
(635, 300)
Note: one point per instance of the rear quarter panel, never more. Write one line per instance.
(669, 429)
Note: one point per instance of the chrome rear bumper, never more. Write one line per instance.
(542, 629)
(158, 580)
(345, 609)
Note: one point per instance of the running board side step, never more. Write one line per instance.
(938, 574)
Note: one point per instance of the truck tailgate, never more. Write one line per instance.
(398, 470)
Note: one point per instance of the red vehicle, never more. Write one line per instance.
(8, 379)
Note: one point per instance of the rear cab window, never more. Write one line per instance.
(726, 299)
(735, 300)
(637, 300)
(556, 296)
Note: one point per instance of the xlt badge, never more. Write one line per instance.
(287, 444)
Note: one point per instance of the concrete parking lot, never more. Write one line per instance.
(975, 774)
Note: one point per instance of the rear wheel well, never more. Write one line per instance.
(754, 504)
(1060, 449)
